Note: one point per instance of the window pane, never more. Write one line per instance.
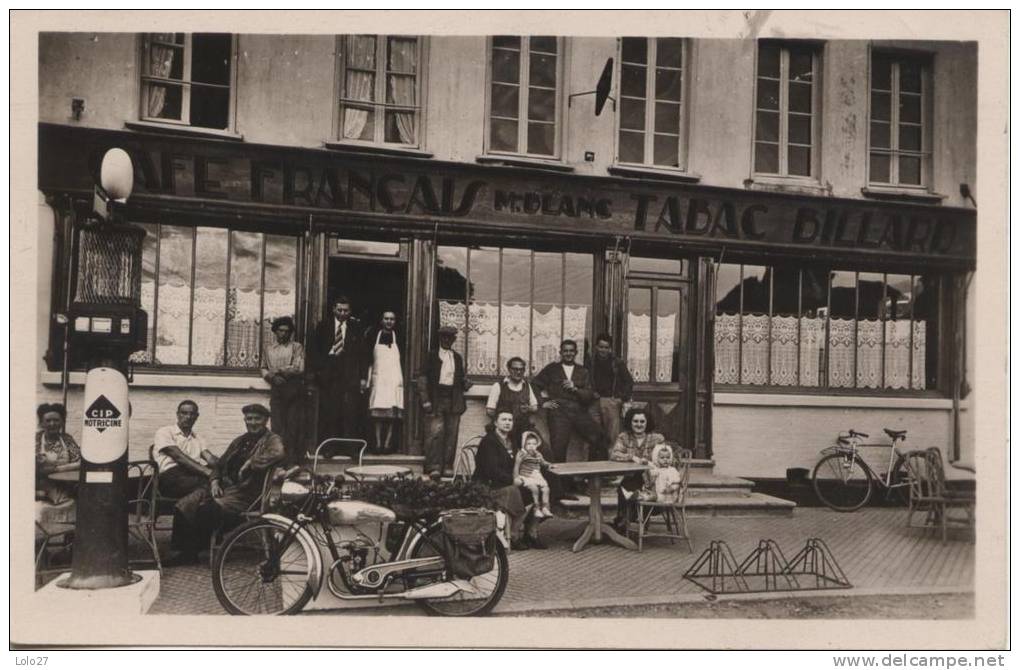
(210, 296)
(768, 94)
(244, 300)
(543, 70)
(667, 335)
(360, 52)
(210, 107)
(506, 66)
(799, 129)
(148, 295)
(754, 327)
(503, 135)
(210, 58)
(541, 104)
(766, 158)
(925, 333)
(881, 70)
(633, 83)
(401, 90)
(910, 170)
(579, 273)
(667, 150)
(727, 324)
(505, 100)
(910, 138)
(800, 161)
(768, 60)
(814, 300)
(174, 292)
(801, 65)
(879, 168)
(897, 309)
(870, 296)
(910, 76)
(800, 97)
(401, 128)
(483, 312)
(785, 327)
(451, 289)
(842, 329)
(280, 292)
(880, 135)
(880, 106)
(546, 315)
(632, 147)
(632, 114)
(768, 126)
(669, 52)
(543, 45)
(541, 139)
(668, 266)
(166, 56)
(359, 85)
(668, 84)
(667, 117)
(635, 50)
(910, 108)
(359, 124)
(515, 306)
(507, 41)
(639, 333)
(164, 102)
(402, 54)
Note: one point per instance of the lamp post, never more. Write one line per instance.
(107, 324)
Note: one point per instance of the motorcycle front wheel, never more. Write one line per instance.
(487, 589)
(262, 568)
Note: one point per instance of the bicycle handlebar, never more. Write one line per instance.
(854, 433)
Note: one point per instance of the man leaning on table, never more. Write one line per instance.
(184, 462)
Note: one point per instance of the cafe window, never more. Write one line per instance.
(782, 326)
(651, 118)
(508, 302)
(524, 96)
(187, 79)
(899, 151)
(786, 109)
(212, 293)
(380, 89)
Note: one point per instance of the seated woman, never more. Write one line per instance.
(55, 451)
(494, 467)
(634, 444)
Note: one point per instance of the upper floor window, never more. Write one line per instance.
(380, 90)
(187, 79)
(899, 153)
(524, 99)
(651, 114)
(786, 110)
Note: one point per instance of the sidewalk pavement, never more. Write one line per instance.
(875, 549)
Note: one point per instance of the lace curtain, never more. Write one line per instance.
(639, 335)
(539, 322)
(358, 85)
(403, 62)
(797, 351)
(161, 59)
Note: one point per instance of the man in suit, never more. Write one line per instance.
(564, 388)
(336, 355)
(441, 389)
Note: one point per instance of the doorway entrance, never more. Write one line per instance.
(374, 277)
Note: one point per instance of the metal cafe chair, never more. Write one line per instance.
(464, 466)
(930, 495)
(673, 515)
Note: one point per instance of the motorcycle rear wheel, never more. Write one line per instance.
(490, 586)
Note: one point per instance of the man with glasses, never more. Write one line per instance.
(513, 394)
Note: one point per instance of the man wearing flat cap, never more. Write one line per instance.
(236, 483)
(441, 387)
(283, 367)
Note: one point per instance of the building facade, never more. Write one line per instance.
(775, 232)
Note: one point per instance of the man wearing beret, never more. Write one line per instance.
(235, 484)
(441, 389)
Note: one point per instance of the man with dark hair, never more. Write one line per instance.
(515, 395)
(283, 366)
(441, 387)
(565, 389)
(337, 358)
(182, 459)
(613, 386)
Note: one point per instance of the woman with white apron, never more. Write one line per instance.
(386, 381)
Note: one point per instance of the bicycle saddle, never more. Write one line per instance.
(895, 434)
(351, 512)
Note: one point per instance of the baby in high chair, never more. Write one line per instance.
(662, 479)
(528, 466)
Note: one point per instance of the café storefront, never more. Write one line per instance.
(703, 288)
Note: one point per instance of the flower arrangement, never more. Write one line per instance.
(411, 498)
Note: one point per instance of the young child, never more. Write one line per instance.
(662, 480)
(528, 466)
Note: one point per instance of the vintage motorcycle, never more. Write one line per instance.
(450, 565)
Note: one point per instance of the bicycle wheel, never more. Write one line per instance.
(842, 482)
(262, 568)
(488, 587)
(899, 485)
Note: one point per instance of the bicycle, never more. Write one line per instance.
(844, 482)
(273, 564)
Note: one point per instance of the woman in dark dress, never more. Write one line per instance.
(494, 467)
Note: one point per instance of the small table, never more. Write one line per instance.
(595, 471)
(373, 472)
